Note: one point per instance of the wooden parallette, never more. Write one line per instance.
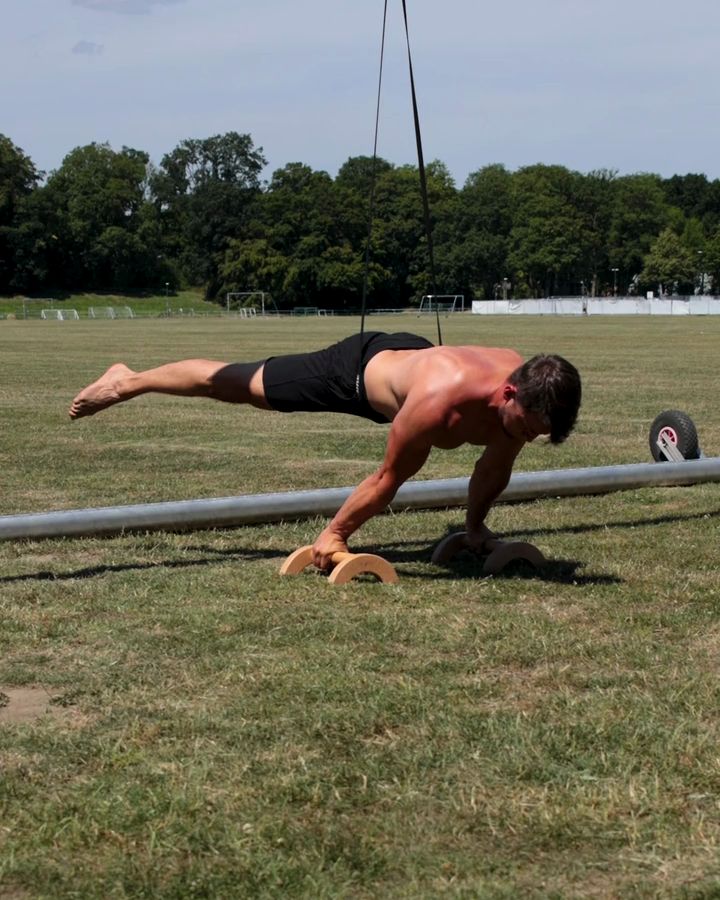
(501, 553)
(346, 566)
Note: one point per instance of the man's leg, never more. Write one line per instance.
(231, 383)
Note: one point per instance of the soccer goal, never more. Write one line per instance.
(240, 300)
(123, 312)
(101, 312)
(59, 315)
(447, 303)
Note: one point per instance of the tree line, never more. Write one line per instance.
(111, 220)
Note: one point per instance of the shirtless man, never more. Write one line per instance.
(433, 396)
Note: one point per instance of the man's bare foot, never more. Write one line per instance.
(101, 393)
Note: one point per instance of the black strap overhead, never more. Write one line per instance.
(371, 202)
(423, 181)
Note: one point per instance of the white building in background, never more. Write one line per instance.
(601, 306)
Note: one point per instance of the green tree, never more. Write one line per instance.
(400, 246)
(592, 197)
(94, 196)
(318, 228)
(695, 197)
(360, 174)
(475, 248)
(253, 265)
(18, 179)
(547, 230)
(693, 235)
(711, 258)
(34, 243)
(303, 219)
(639, 213)
(668, 265)
(204, 190)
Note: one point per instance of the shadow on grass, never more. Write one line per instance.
(465, 567)
(561, 571)
(620, 523)
(468, 565)
(240, 555)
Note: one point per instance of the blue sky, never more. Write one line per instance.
(630, 85)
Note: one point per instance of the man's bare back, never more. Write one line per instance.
(462, 379)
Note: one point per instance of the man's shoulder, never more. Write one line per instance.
(477, 361)
(483, 352)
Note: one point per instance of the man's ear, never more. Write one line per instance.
(509, 392)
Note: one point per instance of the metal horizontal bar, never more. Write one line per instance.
(225, 512)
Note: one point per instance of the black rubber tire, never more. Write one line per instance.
(679, 429)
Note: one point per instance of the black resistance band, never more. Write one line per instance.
(373, 178)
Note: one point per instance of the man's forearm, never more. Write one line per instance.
(485, 487)
(368, 499)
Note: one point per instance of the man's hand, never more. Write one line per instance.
(480, 539)
(328, 542)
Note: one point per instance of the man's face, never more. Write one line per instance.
(520, 423)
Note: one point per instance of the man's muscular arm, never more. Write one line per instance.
(409, 443)
(489, 479)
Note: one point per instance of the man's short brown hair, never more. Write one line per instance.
(550, 386)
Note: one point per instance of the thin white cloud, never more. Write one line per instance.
(87, 48)
(126, 7)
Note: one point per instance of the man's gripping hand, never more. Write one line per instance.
(480, 539)
(328, 542)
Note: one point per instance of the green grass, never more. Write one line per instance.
(216, 731)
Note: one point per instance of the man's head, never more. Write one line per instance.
(548, 388)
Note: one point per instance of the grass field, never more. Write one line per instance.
(211, 730)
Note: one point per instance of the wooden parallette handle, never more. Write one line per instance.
(346, 566)
(501, 552)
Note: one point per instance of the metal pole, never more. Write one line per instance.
(225, 512)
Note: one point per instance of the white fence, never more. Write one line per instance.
(601, 306)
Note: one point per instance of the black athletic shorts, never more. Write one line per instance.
(331, 380)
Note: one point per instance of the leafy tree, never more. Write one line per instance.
(18, 178)
(319, 229)
(203, 191)
(400, 240)
(547, 231)
(693, 235)
(35, 244)
(112, 220)
(668, 264)
(639, 213)
(301, 218)
(96, 195)
(694, 196)
(476, 245)
(711, 262)
(253, 265)
(592, 197)
(360, 173)
(299, 205)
